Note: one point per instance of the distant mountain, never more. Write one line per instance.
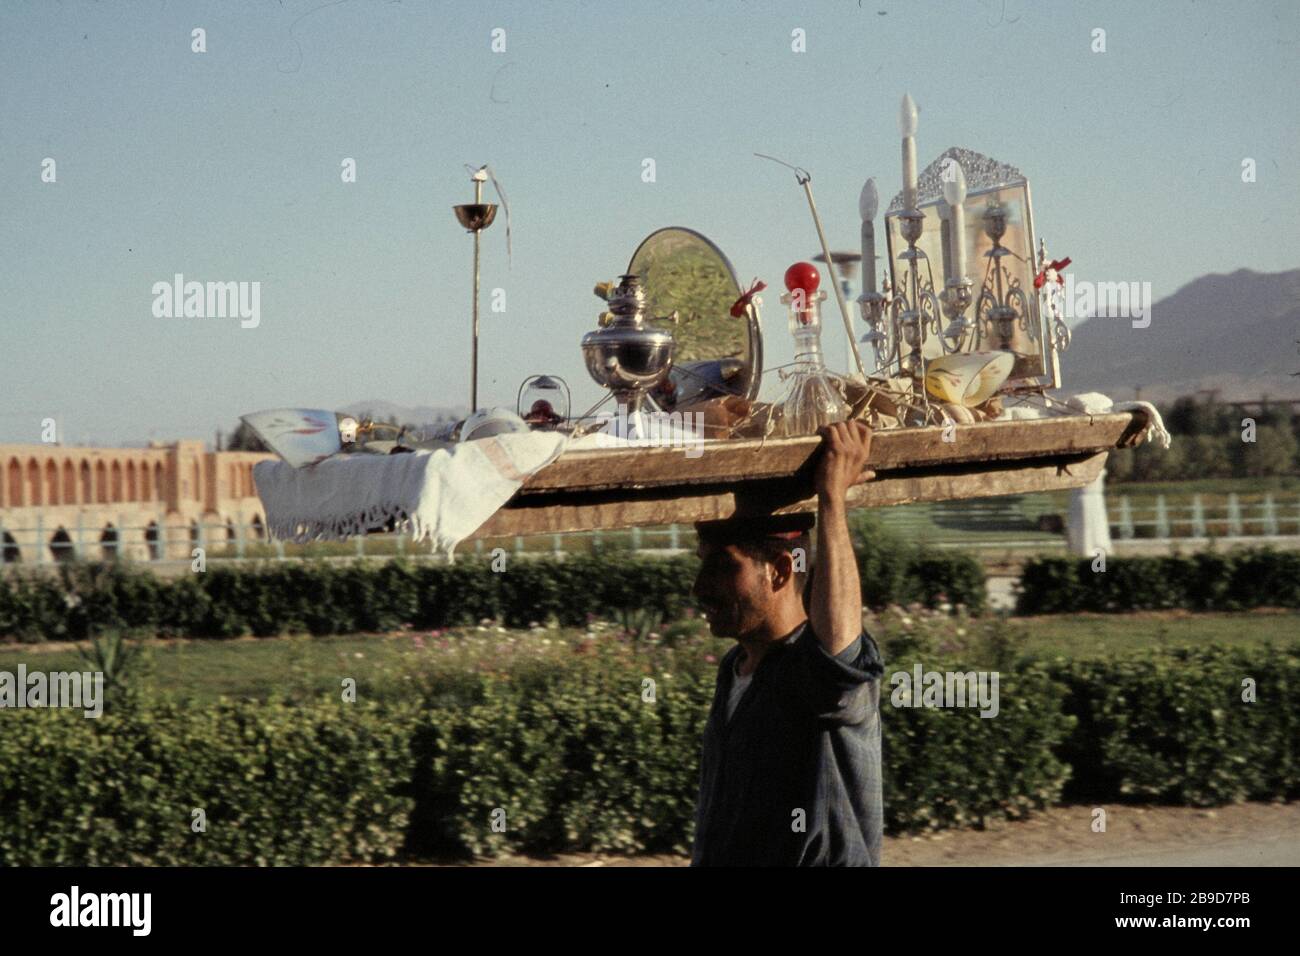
(1236, 333)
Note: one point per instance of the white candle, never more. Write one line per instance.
(945, 236)
(907, 126)
(954, 193)
(868, 203)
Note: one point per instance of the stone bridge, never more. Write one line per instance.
(154, 503)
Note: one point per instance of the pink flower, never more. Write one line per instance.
(710, 658)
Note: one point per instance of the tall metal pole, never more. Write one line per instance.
(475, 217)
(473, 379)
(805, 180)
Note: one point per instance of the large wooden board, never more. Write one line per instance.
(621, 488)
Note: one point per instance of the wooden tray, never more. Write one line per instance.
(626, 487)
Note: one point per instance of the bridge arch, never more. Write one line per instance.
(61, 546)
(109, 542)
(15, 483)
(153, 541)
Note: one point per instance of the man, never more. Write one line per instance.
(790, 774)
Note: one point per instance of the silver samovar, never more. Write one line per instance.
(624, 354)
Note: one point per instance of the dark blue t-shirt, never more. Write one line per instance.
(793, 779)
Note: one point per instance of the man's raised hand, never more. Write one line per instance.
(846, 446)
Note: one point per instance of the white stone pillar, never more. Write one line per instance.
(1088, 528)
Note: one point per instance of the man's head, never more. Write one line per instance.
(752, 570)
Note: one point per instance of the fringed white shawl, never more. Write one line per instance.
(443, 495)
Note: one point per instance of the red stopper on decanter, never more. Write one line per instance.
(803, 275)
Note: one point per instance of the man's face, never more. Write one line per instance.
(733, 589)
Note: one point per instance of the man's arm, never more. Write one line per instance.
(835, 610)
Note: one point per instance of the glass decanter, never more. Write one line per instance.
(814, 396)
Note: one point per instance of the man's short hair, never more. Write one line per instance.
(765, 538)
(740, 528)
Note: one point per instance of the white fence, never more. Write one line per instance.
(1031, 521)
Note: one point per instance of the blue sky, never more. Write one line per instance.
(225, 165)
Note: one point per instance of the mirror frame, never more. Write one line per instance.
(753, 322)
(984, 175)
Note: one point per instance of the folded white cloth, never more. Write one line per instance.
(1024, 412)
(443, 495)
(1095, 403)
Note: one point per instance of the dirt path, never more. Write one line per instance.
(1251, 834)
(1140, 836)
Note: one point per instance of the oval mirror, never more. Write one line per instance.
(715, 354)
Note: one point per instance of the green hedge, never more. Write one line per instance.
(277, 784)
(575, 758)
(1173, 727)
(273, 598)
(952, 767)
(1208, 581)
(579, 762)
(369, 596)
(895, 570)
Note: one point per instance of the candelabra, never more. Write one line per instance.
(957, 298)
(957, 290)
(1003, 306)
(872, 304)
(915, 308)
(874, 307)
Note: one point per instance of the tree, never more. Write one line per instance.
(1273, 452)
(1208, 456)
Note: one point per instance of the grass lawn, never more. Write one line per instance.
(1244, 488)
(305, 666)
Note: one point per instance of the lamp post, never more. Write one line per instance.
(476, 217)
